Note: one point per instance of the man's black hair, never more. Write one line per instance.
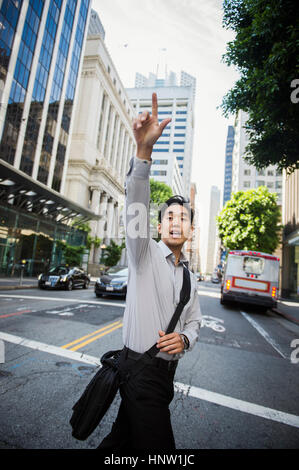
(176, 200)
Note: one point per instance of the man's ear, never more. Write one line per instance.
(159, 228)
(191, 232)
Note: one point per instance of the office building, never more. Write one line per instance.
(227, 188)
(245, 176)
(41, 45)
(213, 240)
(102, 142)
(175, 146)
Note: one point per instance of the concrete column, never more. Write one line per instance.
(119, 150)
(115, 140)
(110, 217)
(95, 203)
(105, 127)
(103, 213)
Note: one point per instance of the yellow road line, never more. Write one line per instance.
(95, 337)
(90, 334)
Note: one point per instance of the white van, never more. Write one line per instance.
(250, 277)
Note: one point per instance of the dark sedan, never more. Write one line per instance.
(113, 282)
(64, 277)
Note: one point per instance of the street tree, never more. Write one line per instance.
(265, 52)
(159, 193)
(250, 220)
(112, 253)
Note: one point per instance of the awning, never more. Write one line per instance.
(20, 191)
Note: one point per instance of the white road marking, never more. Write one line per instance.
(48, 348)
(93, 302)
(264, 333)
(188, 390)
(216, 295)
(239, 405)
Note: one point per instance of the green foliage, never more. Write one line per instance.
(250, 221)
(112, 253)
(265, 52)
(160, 192)
(95, 241)
(83, 226)
(72, 254)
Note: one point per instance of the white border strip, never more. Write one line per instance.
(264, 333)
(191, 391)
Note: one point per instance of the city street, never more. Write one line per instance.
(237, 389)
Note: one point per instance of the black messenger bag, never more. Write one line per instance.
(99, 394)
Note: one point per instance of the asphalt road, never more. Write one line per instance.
(237, 389)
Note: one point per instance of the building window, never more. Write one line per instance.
(260, 183)
(160, 162)
(180, 127)
(159, 173)
(270, 184)
(278, 184)
(270, 173)
(160, 150)
(246, 184)
(247, 172)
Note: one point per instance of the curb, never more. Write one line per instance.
(17, 287)
(91, 284)
(285, 315)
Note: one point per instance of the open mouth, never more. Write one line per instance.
(175, 234)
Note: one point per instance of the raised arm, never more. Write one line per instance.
(146, 130)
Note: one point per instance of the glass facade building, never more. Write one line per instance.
(41, 44)
(228, 171)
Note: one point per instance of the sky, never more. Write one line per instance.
(191, 32)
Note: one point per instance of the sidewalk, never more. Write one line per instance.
(289, 309)
(12, 283)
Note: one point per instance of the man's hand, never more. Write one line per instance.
(147, 130)
(171, 343)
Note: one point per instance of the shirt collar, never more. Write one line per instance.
(167, 252)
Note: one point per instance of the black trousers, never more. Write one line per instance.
(143, 420)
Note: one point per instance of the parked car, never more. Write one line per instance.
(64, 277)
(215, 278)
(251, 277)
(113, 282)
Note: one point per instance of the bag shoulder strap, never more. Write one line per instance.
(184, 299)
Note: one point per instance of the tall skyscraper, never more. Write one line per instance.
(41, 45)
(172, 154)
(245, 176)
(211, 259)
(228, 171)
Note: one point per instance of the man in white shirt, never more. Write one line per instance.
(153, 292)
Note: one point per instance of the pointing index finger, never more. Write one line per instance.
(154, 105)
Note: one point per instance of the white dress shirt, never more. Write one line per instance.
(154, 282)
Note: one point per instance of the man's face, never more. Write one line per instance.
(175, 227)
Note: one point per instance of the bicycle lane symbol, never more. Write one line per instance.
(213, 322)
